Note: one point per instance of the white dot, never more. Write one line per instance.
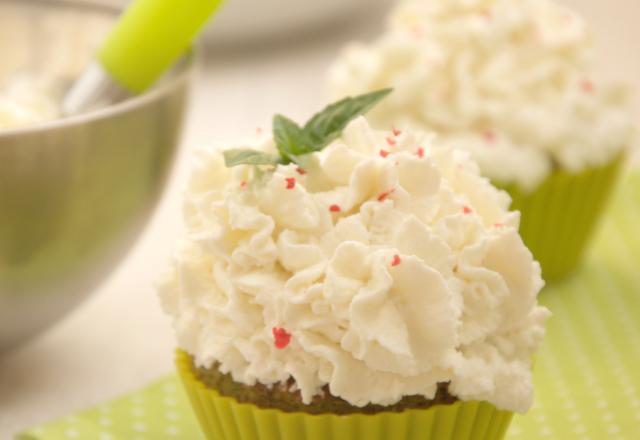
(137, 411)
(71, 433)
(574, 416)
(171, 415)
(579, 429)
(169, 388)
(139, 427)
(545, 431)
(540, 417)
(172, 431)
(613, 429)
(170, 401)
(105, 436)
(105, 421)
(607, 417)
(602, 404)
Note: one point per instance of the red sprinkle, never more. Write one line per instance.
(281, 337)
(498, 225)
(291, 182)
(467, 210)
(334, 208)
(243, 184)
(489, 136)
(567, 18)
(259, 130)
(300, 171)
(391, 141)
(396, 260)
(420, 152)
(395, 131)
(384, 153)
(385, 195)
(587, 86)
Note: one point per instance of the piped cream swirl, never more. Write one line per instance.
(512, 81)
(390, 261)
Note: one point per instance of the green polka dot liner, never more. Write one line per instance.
(587, 374)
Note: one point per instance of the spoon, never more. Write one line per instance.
(145, 42)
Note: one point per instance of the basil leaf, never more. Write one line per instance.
(290, 139)
(294, 142)
(237, 157)
(327, 125)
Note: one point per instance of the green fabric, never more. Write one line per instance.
(560, 216)
(586, 376)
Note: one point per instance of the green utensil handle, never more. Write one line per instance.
(149, 37)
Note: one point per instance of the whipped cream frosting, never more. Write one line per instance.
(26, 100)
(512, 81)
(384, 267)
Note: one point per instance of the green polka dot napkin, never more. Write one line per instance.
(587, 375)
(159, 411)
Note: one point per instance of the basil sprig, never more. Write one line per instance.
(294, 141)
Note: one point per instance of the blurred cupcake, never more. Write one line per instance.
(512, 82)
(340, 282)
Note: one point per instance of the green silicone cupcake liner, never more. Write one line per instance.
(559, 217)
(223, 417)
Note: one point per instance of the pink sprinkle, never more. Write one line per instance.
(396, 132)
(259, 130)
(243, 184)
(291, 182)
(300, 171)
(587, 86)
(281, 337)
(567, 18)
(384, 153)
(391, 141)
(396, 260)
(467, 210)
(385, 195)
(489, 136)
(334, 208)
(487, 15)
(498, 225)
(417, 31)
(420, 152)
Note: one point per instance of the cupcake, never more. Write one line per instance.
(340, 282)
(512, 82)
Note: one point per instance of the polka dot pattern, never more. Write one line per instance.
(587, 378)
(587, 375)
(159, 411)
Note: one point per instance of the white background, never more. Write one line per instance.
(118, 340)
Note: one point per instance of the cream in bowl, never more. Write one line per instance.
(75, 192)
